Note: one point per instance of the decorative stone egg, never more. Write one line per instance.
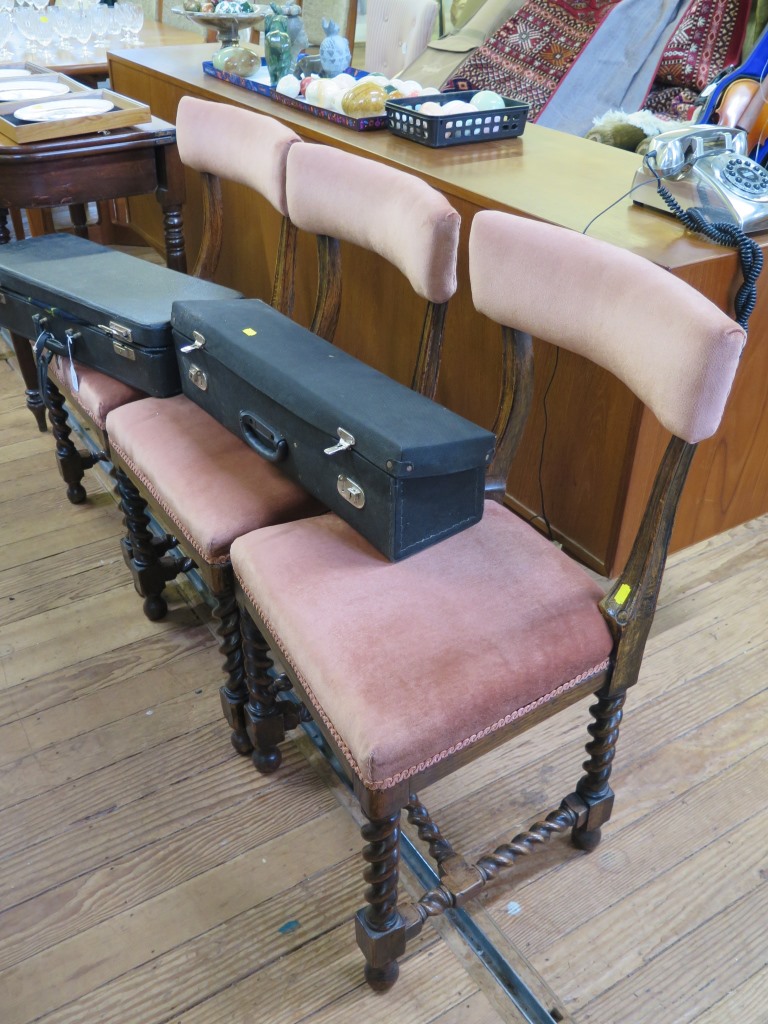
(430, 107)
(320, 92)
(458, 107)
(345, 81)
(365, 100)
(430, 90)
(237, 60)
(288, 86)
(486, 99)
(305, 83)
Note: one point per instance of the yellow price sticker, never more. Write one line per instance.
(249, 331)
(622, 593)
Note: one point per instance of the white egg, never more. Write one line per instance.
(430, 90)
(288, 86)
(344, 80)
(324, 93)
(411, 88)
(430, 108)
(312, 91)
(458, 107)
(487, 100)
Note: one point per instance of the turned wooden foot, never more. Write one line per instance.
(382, 978)
(586, 839)
(143, 554)
(72, 463)
(379, 927)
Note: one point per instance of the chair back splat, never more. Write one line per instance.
(385, 211)
(224, 142)
(412, 669)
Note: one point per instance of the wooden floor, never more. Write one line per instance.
(150, 875)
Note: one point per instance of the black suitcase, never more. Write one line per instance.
(107, 309)
(403, 470)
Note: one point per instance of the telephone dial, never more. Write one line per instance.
(705, 167)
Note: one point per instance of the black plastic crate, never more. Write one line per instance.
(505, 122)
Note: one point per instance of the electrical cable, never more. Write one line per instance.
(722, 233)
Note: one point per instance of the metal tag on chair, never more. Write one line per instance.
(346, 440)
(350, 491)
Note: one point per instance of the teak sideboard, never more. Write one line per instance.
(598, 441)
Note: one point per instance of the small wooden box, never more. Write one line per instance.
(125, 112)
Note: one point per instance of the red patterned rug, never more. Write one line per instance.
(530, 55)
(707, 39)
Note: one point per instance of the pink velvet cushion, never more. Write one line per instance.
(210, 483)
(379, 208)
(238, 145)
(669, 344)
(409, 661)
(97, 394)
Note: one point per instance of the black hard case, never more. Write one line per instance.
(416, 471)
(118, 305)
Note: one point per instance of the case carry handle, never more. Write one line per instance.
(262, 438)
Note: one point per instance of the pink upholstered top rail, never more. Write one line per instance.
(379, 208)
(237, 145)
(669, 344)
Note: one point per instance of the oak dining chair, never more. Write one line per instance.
(412, 669)
(204, 485)
(218, 142)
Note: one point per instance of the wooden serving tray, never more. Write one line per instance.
(125, 112)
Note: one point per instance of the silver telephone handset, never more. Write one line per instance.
(706, 167)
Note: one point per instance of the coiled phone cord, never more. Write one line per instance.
(729, 235)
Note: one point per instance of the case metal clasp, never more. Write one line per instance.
(124, 350)
(198, 377)
(198, 341)
(346, 440)
(116, 330)
(350, 491)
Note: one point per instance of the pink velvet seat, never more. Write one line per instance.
(203, 484)
(412, 668)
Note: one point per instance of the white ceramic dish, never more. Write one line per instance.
(14, 72)
(60, 110)
(32, 91)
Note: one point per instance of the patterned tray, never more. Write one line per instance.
(359, 124)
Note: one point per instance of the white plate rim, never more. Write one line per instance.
(41, 111)
(32, 89)
(10, 73)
